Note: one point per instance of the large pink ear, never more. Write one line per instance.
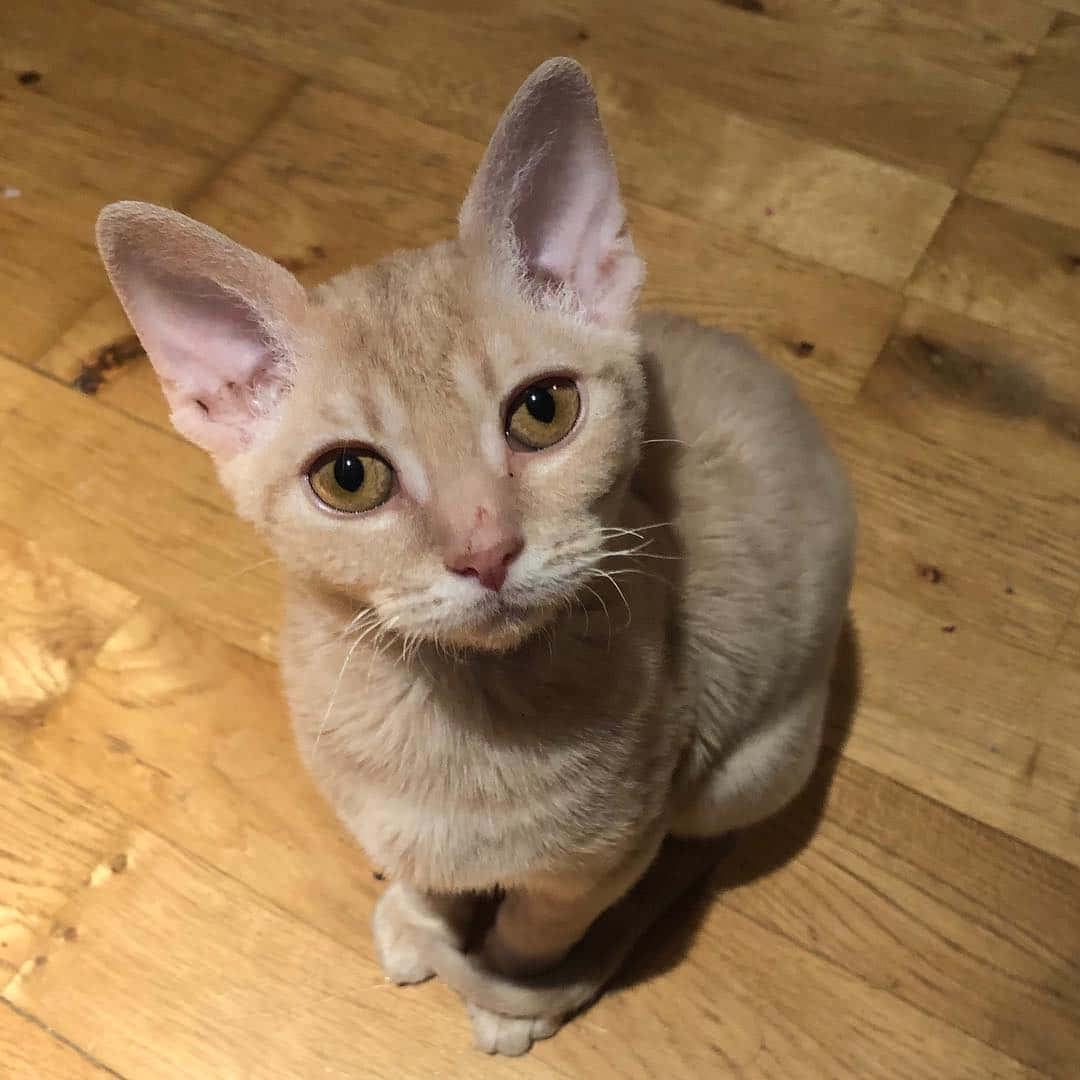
(213, 317)
(547, 191)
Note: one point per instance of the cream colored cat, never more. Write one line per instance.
(561, 582)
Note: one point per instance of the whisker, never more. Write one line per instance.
(610, 575)
(357, 621)
(622, 571)
(333, 695)
(638, 553)
(603, 604)
(245, 570)
(644, 528)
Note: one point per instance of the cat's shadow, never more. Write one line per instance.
(756, 852)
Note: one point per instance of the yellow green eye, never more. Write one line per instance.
(351, 479)
(543, 414)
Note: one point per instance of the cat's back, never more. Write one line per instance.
(761, 505)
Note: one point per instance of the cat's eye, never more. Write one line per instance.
(351, 479)
(543, 414)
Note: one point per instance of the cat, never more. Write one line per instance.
(562, 580)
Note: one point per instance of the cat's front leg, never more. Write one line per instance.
(535, 928)
(409, 924)
(510, 1012)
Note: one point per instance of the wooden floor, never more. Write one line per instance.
(885, 196)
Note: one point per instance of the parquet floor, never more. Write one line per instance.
(885, 196)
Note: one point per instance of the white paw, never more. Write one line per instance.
(509, 1035)
(401, 943)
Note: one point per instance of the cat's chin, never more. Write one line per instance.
(499, 629)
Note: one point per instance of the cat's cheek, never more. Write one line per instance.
(347, 553)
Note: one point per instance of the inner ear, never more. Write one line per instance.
(215, 318)
(547, 190)
(219, 365)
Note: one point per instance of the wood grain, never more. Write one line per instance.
(55, 617)
(809, 68)
(880, 195)
(183, 732)
(977, 742)
(252, 959)
(55, 842)
(1011, 400)
(29, 1052)
(148, 514)
(97, 106)
(999, 266)
(1033, 160)
(945, 913)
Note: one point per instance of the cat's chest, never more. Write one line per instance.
(454, 787)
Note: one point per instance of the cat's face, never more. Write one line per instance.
(448, 456)
(442, 438)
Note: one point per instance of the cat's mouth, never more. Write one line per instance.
(499, 620)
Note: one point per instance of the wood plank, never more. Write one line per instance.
(954, 715)
(74, 139)
(935, 82)
(199, 978)
(839, 207)
(1032, 163)
(1011, 403)
(775, 1010)
(823, 327)
(29, 1052)
(802, 196)
(958, 25)
(264, 995)
(924, 505)
(65, 168)
(54, 618)
(1051, 79)
(1068, 648)
(144, 509)
(53, 842)
(1057, 718)
(1009, 269)
(994, 414)
(191, 736)
(1033, 160)
(945, 913)
(136, 75)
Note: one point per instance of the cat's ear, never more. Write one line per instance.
(213, 317)
(547, 191)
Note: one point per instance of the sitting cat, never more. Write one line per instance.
(561, 581)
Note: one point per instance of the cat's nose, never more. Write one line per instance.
(487, 559)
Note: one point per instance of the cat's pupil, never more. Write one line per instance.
(540, 404)
(349, 471)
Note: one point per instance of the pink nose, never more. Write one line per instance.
(487, 562)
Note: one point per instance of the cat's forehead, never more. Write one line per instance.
(408, 355)
(422, 331)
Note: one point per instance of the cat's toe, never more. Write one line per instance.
(509, 1035)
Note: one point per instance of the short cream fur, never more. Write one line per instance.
(655, 663)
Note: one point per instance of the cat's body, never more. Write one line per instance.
(453, 772)
(560, 582)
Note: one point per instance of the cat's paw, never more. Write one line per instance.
(509, 1035)
(402, 942)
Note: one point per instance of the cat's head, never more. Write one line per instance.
(444, 437)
